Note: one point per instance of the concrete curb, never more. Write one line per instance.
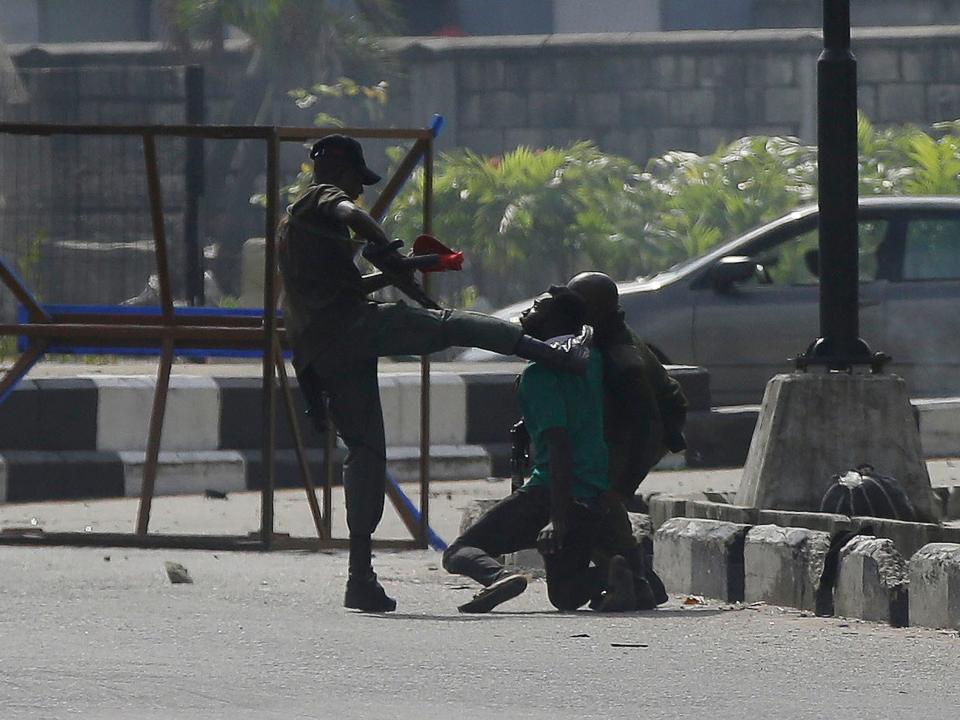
(935, 586)
(34, 476)
(704, 557)
(783, 565)
(872, 582)
(908, 537)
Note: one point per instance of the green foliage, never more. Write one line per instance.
(534, 217)
(371, 98)
(309, 38)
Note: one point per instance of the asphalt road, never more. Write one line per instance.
(102, 634)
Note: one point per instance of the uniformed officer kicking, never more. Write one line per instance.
(337, 334)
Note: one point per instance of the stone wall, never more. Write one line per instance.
(76, 218)
(803, 13)
(636, 94)
(641, 94)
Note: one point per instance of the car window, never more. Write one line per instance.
(795, 261)
(932, 250)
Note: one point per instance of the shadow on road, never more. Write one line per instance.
(545, 613)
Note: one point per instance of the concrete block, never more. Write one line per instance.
(771, 69)
(908, 537)
(899, 102)
(664, 507)
(871, 582)
(723, 70)
(720, 437)
(392, 417)
(915, 66)
(528, 561)
(38, 475)
(68, 414)
(701, 556)
(782, 566)
(695, 382)
(781, 104)
(447, 462)
(939, 420)
(286, 468)
(491, 406)
(20, 419)
(549, 108)
(949, 534)
(935, 586)
(674, 71)
(240, 415)
(644, 106)
(722, 512)
(878, 65)
(473, 512)
(598, 109)
(690, 107)
(448, 410)
(643, 534)
(825, 522)
(251, 272)
(183, 473)
(846, 406)
(190, 421)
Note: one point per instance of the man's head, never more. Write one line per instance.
(557, 312)
(598, 292)
(338, 160)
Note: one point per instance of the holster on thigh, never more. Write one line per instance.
(315, 399)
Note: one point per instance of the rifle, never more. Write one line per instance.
(429, 255)
(519, 454)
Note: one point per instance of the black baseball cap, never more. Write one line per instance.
(345, 149)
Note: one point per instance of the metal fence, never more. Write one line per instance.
(166, 330)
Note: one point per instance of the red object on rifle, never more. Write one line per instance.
(447, 259)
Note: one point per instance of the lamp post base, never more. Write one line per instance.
(823, 353)
(814, 425)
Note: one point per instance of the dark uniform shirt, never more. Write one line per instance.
(320, 277)
(645, 409)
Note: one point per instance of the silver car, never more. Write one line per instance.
(746, 308)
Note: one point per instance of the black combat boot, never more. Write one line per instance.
(621, 593)
(571, 354)
(363, 591)
(649, 586)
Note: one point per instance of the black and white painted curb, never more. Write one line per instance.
(864, 575)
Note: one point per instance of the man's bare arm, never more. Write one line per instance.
(361, 222)
(561, 482)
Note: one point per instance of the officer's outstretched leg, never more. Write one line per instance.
(357, 415)
(399, 329)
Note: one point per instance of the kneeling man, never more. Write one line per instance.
(557, 510)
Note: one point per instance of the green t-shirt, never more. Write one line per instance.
(551, 399)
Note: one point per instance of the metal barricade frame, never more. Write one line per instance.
(170, 329)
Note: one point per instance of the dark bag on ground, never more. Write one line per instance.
(864, 492)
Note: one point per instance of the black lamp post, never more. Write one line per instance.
(839, 346)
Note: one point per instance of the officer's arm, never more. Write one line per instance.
(361, 222)
(672, 403)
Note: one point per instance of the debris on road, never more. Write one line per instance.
(177, 573)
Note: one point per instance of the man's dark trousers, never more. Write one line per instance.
(358, 336)
(513, 524)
